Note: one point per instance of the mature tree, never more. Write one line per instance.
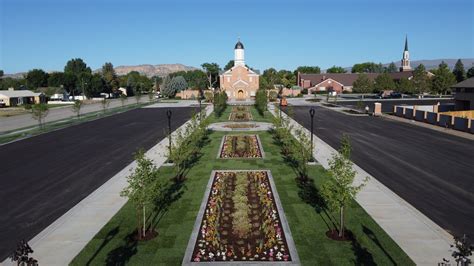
(339, 189)
(443, 79)
(287, 78)
(39, 112)
(363, 84)
(37, 78)
(367, 67)
(308, 70)
(421, 80)
(196, 79)
(142, 184)
(78, 69)
(229, 65)
(178, 84)
(1, 74)
(405, 86)
(271, 75)
(110, 77)
(95, 85)
(212, 71)
(157, 80)
(392, 68)
(9, 82)
(384, 82)
(56, 79)
(470, 72)
(76, 66)
(459, 71)
(336, 69)
(264, 84)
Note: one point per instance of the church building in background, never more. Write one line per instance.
(239, 82)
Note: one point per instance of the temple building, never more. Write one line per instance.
(239, 82)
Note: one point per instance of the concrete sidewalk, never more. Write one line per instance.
(60, 242)
(420, 238)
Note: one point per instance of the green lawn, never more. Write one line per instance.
(308, 224)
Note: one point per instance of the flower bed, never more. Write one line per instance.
(240, 113)
(241, 221)
(240, 146)
(241, 126)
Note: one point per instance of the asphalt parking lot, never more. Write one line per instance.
(42, 177)
(431, 170)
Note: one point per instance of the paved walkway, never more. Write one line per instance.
(424, 241)
(60, 242)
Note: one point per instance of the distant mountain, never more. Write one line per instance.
(153, 70)
(148, 70)
(432, 63)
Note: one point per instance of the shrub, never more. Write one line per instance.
(220, 103)
(261, 101)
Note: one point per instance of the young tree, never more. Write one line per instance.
(105, 103)
(39, 112)
(151, 94)
(339, 189)
(336, 69)
(141, 183)
(123, 98)
(261, 101)
(138, 94)
(421, 81)
(178, 84)
(459, 71)
(463, 250)
(384, 82)
(363, 84)
(77, 108)
(443, 79)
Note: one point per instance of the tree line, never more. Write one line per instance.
(437, 80)
(78, 78)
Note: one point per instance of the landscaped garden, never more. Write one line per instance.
(240, 146)
(174, 215)
(240, 113)
(241, 221)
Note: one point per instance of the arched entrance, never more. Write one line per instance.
(240, 95)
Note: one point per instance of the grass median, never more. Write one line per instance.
(308, 224)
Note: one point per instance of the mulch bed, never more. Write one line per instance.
(334, 235)
(241, 221)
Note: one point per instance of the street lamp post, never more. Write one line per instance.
(200, 109)
(168, 114)
(311, 113)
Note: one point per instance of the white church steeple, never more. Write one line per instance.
(239, 54)
(406, 58)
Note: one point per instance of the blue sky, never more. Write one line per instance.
(281, 34)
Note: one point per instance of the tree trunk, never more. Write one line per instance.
(144, 222)
(341, 230)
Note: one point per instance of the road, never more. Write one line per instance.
(44, 176)
(431, 170)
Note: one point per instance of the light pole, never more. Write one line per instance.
(311, 113)
(200, 99)
(168, 114)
